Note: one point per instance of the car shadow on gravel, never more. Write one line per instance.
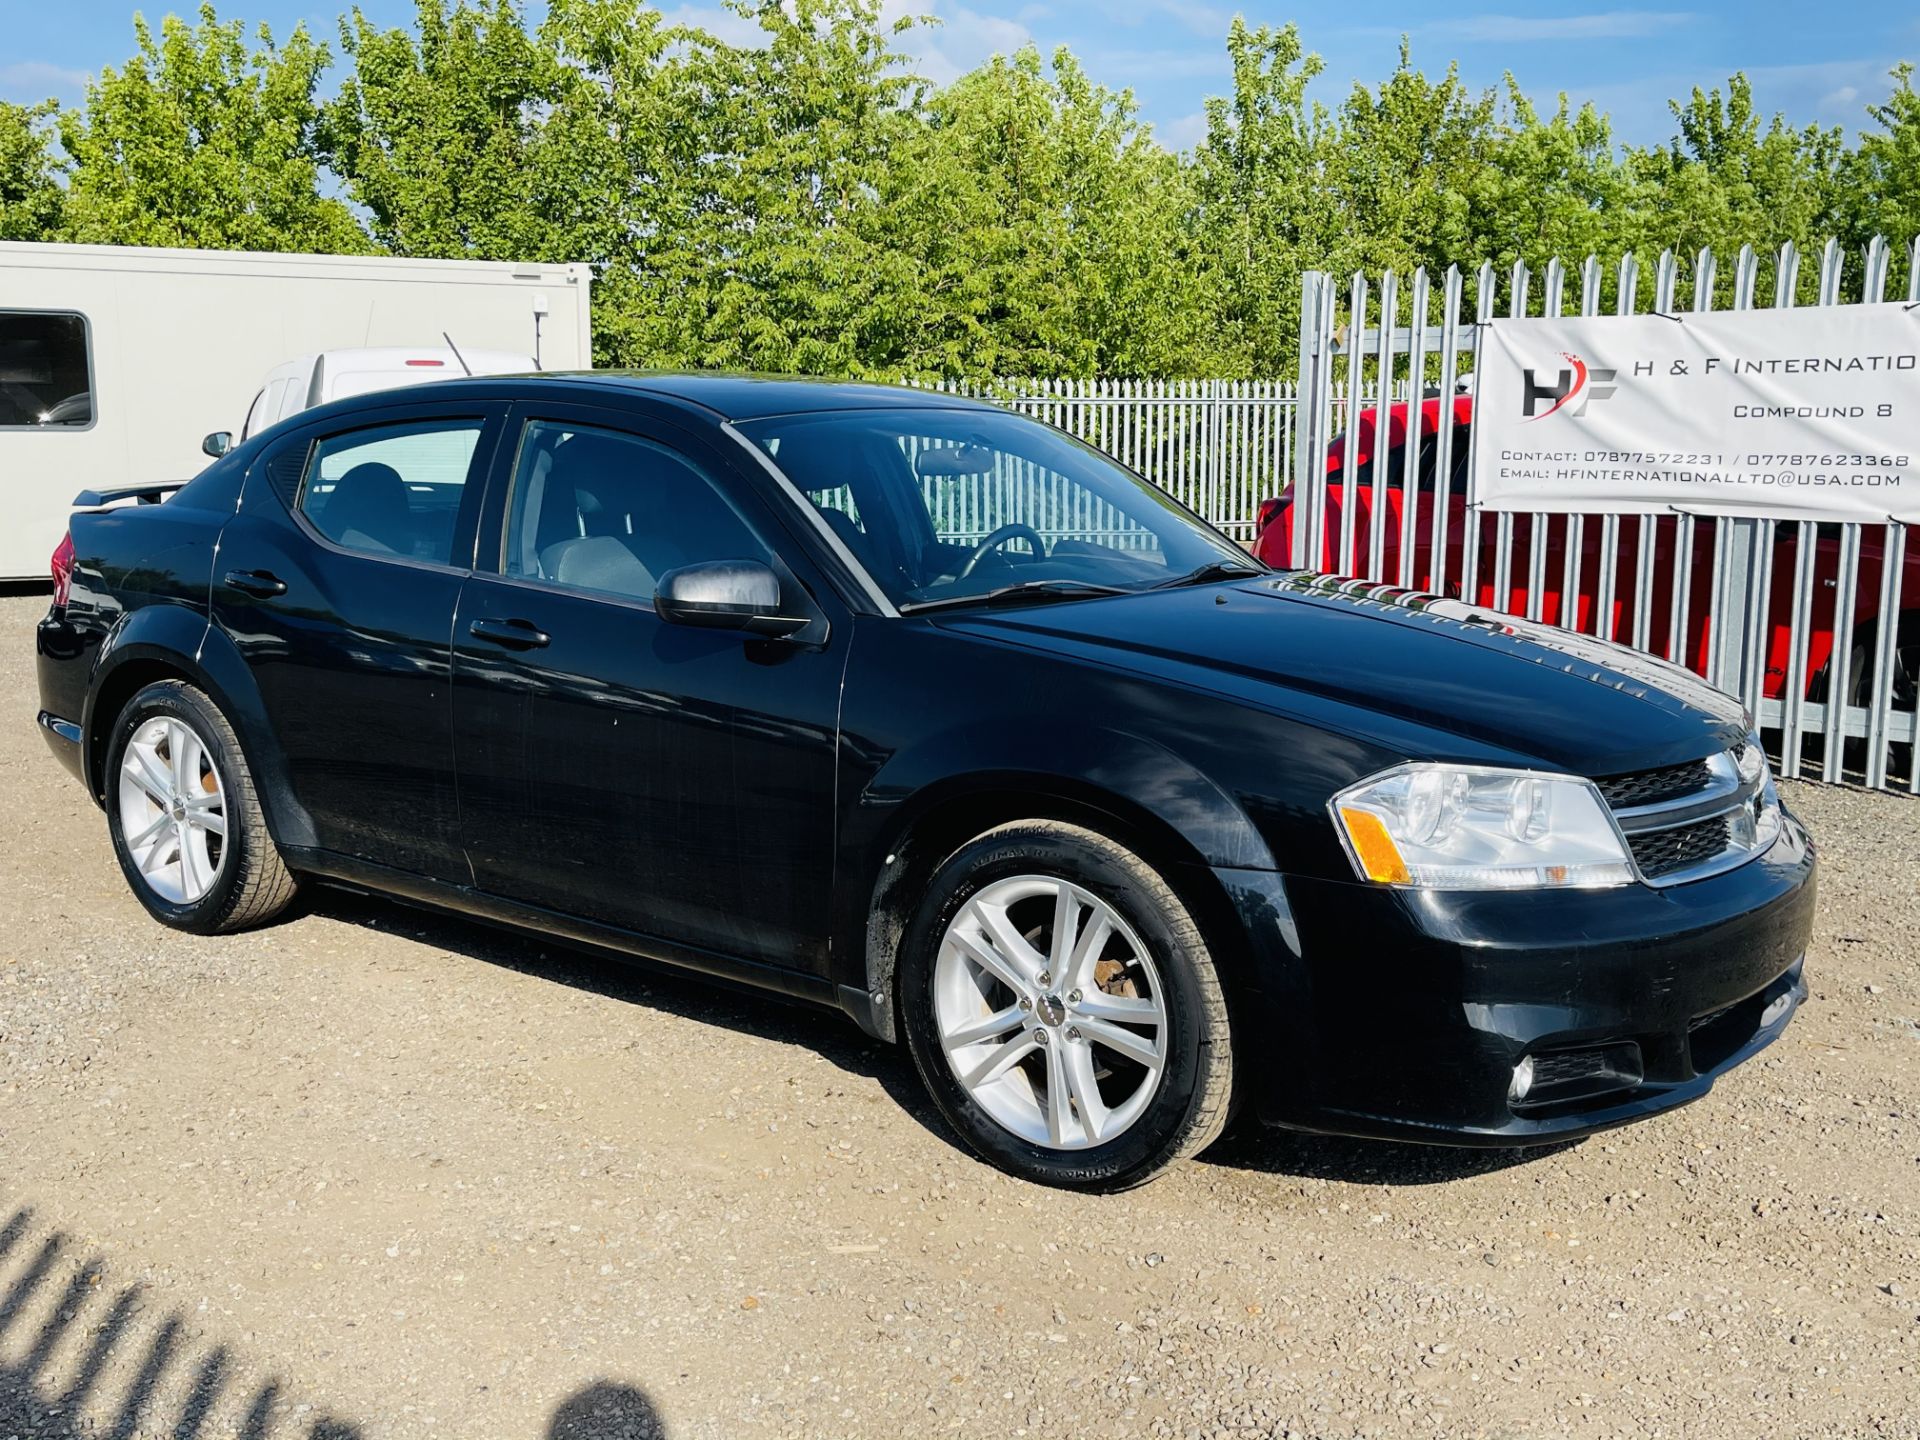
(1247, 1146)
(1251, 1146)
(70, 1343)
(762, 1014)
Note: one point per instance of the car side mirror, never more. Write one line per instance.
(217, 444)
(725, 595)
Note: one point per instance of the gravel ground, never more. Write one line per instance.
(371, 1173)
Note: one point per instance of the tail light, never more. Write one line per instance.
(62, 571)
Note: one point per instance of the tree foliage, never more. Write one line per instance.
(31, 199)
(199, 140)
(790, 196)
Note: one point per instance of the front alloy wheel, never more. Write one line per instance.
(1049, 1011)
(1063, 1008)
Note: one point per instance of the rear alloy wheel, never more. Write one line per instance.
(173, 810)
(186, 824)
(1063, 1010)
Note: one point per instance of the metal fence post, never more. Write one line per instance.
(1310, 443)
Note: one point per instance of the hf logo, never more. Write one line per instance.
(1569, 389)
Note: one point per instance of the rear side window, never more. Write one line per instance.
(46, 370)
(392, 490)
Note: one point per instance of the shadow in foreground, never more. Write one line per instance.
(84, 1360)
(118, 1345)
(606, 1411)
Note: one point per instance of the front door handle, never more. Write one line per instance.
(514, 634)
(261, 584)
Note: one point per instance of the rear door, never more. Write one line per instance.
(338, 580)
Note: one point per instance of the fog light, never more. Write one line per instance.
(1775, 1009)
(1522, 1080)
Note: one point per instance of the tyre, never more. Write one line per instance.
(1904, 691)
(1063, 1010)
(185, 821)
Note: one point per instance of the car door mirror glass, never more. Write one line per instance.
(725, 595)
(217, 444)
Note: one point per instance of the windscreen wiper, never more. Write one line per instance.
(1211, 571)
(1026, 592)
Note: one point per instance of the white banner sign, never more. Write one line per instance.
(1810, 414)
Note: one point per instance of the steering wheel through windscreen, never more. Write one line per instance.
(1013, 530)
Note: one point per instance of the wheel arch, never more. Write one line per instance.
(172, 642)
(943, 817)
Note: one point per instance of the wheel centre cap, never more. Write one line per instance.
(1051, 1009)
(178, 809)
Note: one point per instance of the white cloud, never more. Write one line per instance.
(1818, 90)
(724, 24)
(961, 39)
(32, 80)
(1602, 25)
(1183, 133)
(1157, 64)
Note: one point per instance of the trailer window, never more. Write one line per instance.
(46, 370)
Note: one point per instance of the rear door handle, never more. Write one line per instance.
(262, 584)
(514, 634)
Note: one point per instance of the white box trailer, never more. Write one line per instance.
(116, 362)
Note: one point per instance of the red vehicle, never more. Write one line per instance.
(1584, 610)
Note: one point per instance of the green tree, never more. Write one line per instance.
(199, 141)
(1050, 229)
(777, 251)
(31, 199)
(1408, 158)
(1262, 212)
(1549, 188)
(1726, 181)
(1882, 177)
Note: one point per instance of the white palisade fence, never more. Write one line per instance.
(1220, 447)
(1812, 625)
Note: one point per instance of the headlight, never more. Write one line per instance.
(1464, 827)
(1756, 825)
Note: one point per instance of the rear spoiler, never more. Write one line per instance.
(152, 493)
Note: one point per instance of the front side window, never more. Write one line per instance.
(602, 510)
(939, 505)
(46, 370)
(392, 490)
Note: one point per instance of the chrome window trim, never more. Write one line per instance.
(874, 594)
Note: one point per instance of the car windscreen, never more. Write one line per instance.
(939, 504)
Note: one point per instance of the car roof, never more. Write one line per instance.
(756, 397)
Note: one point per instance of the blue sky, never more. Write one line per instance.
(1819, 63)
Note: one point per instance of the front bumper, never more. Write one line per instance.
(1403, 1015)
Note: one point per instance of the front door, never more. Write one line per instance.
(337, 579)
(667, 781)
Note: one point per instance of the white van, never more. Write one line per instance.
(334, 374)
(116, 361)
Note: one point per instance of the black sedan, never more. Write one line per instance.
(906, 705)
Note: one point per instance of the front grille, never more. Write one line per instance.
(1652, 787)
(1662, 852)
